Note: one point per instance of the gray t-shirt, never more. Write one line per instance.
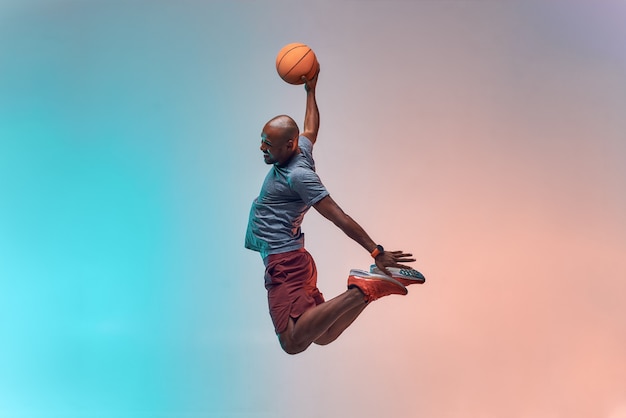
(286, 195)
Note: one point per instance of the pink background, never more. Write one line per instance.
(490, 140)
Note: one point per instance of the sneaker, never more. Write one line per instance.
(404, 276)
(375, 286)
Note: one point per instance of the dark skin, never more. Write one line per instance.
(325, 322)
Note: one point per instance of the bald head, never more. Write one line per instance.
(287, 127)
(279, 140)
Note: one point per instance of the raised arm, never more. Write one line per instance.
(331, 211)
(312, 114)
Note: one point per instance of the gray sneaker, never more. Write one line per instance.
(404, 276)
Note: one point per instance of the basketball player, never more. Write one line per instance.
(298, 310)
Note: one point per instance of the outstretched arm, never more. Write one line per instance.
(312, 114)
(331, 211)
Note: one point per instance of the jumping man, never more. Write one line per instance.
(298, 310)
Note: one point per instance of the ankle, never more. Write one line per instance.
(356, 294)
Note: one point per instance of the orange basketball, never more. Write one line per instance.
(294, 61)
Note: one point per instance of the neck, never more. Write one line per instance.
(288, 160)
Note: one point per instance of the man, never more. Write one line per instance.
(298, 310)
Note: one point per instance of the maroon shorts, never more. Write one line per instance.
(291, 283)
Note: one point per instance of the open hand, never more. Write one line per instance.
(393, 259)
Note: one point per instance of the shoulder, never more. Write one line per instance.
(301, 173)
(303, 176)
(306, 183)
(306, 151)
(305, 144)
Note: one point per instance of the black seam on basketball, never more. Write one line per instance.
(287, 52)
(296, 64)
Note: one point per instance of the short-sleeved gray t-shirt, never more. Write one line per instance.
(286, 195)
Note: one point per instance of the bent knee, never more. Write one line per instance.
(323, 341)
(292, 350)
(291, 347)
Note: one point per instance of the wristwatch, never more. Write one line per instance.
(378, 250)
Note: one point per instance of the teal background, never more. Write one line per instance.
(123, 208)
(486, 137)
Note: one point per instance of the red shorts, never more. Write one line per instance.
(291, 283)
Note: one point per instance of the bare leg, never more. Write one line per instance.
(317, 321)
(339, 326)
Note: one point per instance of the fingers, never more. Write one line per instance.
(402, 266)
(394, 259)
(307, 83)
(406, 260)
(406, 257)
(384, 269)
(402, 257)
(399, 257)
(317, 72)
(310, 83)
(400, 253)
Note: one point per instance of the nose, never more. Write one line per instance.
(263, 146)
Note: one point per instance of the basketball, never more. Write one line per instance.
(294, 61)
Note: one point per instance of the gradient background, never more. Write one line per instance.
(489, 138)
